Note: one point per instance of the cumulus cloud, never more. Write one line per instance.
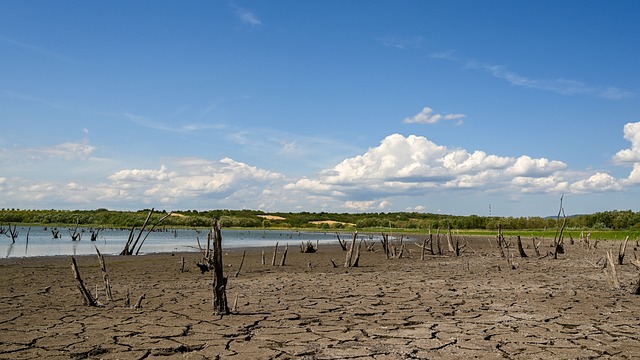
(414, 165)
(632, 155)
(599, 182)
(192, 177)
(427, 116)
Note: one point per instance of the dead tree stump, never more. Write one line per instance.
(520, 248)
(220, 305)
(88, 298)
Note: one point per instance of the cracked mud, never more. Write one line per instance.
(444, 307)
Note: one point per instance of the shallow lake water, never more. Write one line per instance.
(40, 241)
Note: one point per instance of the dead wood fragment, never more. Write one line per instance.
(558, 240)
(127, 300)
(308, 248)
(241, 262)
(138, 304)
(284, 255)
(349, 258)
(105, 275)
(86, 295)
(220, 305)
(536, 246)
(612, 273)
(450, 239)
(275, 252)
(520, 249)
(621, 251)
(356, 258)
(343, 244)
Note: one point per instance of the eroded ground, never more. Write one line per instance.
(443, 307)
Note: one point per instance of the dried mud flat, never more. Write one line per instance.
(443, 307)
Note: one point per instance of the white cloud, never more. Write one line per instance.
(426, 116)
(192, 177)
(142, 175)
(600, 182)
(414, 166)
(632, 155)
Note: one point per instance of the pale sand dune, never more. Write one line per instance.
(444, 307)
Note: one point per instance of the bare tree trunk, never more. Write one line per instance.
(220, 306)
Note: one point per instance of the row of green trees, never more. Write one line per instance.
(614, 220)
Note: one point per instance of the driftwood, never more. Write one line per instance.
(138, 304)
(55, 233)
(636, 288)
(75, 234)
(450, 239)
(558, 242)
(284, 255)
(220, 305)
(132, 245)
(621, 251)
(356, 258)
(613, 274)
(520, 248)
(343, 244)
(536, 246)
(241, 263)
(86, 295)
(127, 299)
(105, 276)
(308, 248)
(385, 244)
(275, 253)
(94, 234)
(13, 233)
(348, 262)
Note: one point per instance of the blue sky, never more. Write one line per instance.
(343, 106)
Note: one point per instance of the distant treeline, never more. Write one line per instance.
(613, 220)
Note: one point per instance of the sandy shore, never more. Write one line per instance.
(443, 307)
